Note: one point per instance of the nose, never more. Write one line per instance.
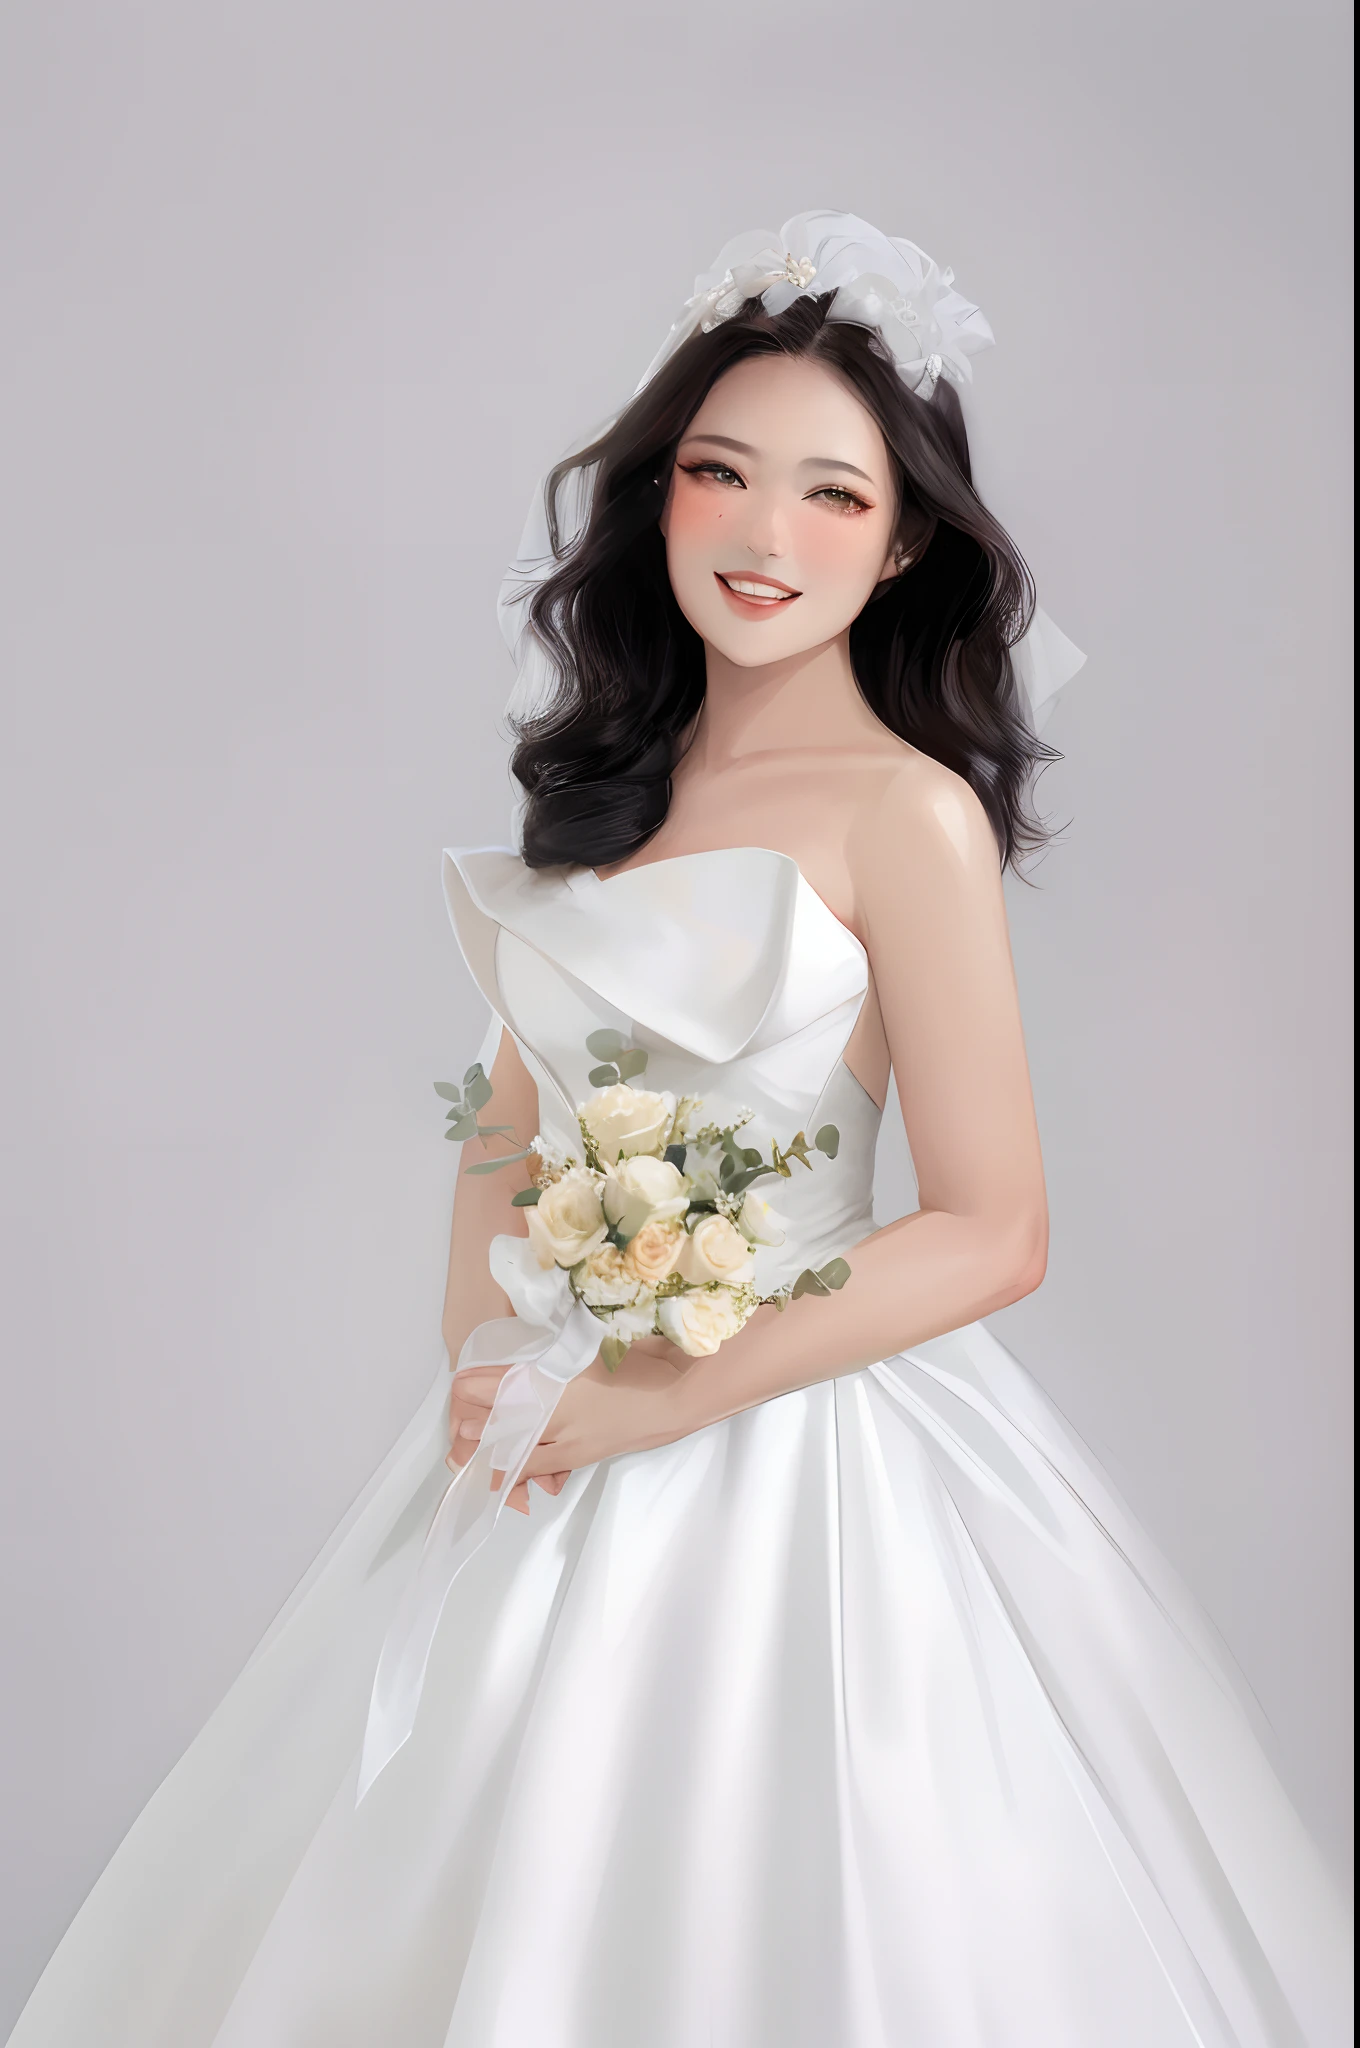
(767, 534)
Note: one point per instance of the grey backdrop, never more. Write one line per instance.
(300, 298)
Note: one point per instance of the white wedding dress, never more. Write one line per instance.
(867, 1719)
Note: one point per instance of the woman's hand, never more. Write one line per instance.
(600, 1415)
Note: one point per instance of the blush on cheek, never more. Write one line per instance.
(839, 550)
(694, 516)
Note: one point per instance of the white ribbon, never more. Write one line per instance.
(550, 1339)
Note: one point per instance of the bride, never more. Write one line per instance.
(822, 1694)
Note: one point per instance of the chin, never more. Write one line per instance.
(758, 646)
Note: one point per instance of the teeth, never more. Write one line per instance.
(746, 586)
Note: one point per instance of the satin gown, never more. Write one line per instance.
(866, 1719)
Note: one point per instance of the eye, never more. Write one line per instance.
(720, 472)
(843, 500)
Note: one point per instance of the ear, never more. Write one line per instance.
(898, 558)
(907, 549)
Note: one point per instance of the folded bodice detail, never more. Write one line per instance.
(731, 972)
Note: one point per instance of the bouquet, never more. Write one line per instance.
(656, 1223)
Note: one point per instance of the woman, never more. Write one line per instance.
(827, 1695)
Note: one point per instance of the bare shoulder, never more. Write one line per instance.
(915, 810)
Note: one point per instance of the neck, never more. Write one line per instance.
(807, 700)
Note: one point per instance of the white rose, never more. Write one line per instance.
(644, 1190)
(761, 1223)
(716, 1250)
(698, 1323)
(624, 1120)
(566, 1223)
(628, 1324)
(603, 1281)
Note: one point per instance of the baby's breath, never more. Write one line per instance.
(553, 1161)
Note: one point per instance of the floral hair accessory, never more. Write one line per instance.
(879, 281)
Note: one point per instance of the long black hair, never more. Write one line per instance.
(930, 651)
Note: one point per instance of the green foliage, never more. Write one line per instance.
(825, 1280)
(495, 1165)
(619, 1061)
(527, 1198)
(462, 1122)
(613, 1351)
(828, 1140)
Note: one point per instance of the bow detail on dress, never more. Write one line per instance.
(693, 949)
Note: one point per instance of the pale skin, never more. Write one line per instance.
(783, 484)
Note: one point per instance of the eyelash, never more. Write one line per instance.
(847, 498)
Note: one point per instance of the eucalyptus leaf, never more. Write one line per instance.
(479, 1092)
(809, 1282)
(450, 1134)
(476, 1072)
(828, 1140)
(494, 1165)
(602, 1077)
(527, 1198)
(606, 1045)
(448, 1091)
(835, 1273)
(675, 1156)
(613, 1351)
(494, 1130)
(466, 1127)
(631, 1062)
(459, 1109)
(750, 1157)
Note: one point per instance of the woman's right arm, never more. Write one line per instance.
(481, 1208)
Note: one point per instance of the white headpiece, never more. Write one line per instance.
(880, 282)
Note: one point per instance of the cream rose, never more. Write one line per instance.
(716, 1250)
(759, 1222)
(624, 1120)
(603, 1281)
(652, 1253)
(698, 1323)
(644, 1190)
(567, 1223)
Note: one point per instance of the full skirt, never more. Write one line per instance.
(867, 1719)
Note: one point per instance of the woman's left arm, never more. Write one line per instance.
(928, 888)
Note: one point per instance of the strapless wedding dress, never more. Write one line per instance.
(867, 1719)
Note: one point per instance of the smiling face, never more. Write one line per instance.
(782, 511)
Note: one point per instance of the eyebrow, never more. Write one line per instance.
(809, 462)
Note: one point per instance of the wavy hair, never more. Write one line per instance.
(930, 651)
